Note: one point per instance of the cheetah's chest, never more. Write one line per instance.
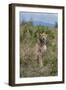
(42, 49)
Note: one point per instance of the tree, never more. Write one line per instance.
(56, 25)
(30, 22)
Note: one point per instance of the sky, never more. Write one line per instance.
(51, 18)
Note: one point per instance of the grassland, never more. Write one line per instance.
(28, 39)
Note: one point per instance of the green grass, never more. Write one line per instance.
(28, 39)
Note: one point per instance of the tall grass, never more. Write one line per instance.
(28, 38)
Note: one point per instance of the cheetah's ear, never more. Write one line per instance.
(40, 34)
(46, 34)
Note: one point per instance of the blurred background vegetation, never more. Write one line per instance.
(28, 39)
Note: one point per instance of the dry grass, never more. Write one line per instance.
(29, 66)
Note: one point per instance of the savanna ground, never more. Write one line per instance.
(28, 39)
